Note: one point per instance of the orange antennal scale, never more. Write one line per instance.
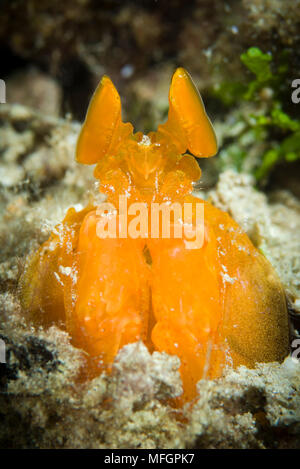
(103, 128)
(187, 121)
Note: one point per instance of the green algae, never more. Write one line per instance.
(269, 124)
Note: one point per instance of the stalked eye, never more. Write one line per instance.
(103, 129)
(188, 123)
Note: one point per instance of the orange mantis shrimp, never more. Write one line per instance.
(219, 304)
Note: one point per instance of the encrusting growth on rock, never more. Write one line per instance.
(214, 305)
